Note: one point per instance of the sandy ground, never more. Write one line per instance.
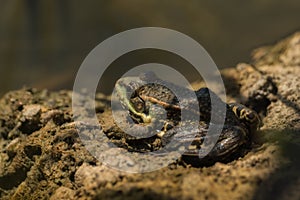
(42, 156)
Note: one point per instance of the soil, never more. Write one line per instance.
(42, 156)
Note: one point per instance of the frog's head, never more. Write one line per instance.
(126, 89)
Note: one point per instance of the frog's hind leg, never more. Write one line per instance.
(229, 142)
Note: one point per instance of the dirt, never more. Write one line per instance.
(42, 156)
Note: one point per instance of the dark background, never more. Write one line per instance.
(43, 43)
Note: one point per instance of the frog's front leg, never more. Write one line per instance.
(166, 127)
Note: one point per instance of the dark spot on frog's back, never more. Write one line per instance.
(205, 95)
(203, 91)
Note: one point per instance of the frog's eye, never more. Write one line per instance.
(140, 106)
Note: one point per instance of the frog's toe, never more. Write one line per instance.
(246, 115)
(145, 118)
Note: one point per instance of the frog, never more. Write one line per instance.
(138, 96)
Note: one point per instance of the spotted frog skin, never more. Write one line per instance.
(240, 121)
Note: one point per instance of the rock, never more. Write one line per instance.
(285, 53)
(30, 118)
(63, 193)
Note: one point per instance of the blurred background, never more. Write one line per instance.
(43, 43)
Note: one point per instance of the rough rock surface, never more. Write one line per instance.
(42, 157)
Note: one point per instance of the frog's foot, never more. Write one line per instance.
(167, 126)
(246, 115)
(145, 118)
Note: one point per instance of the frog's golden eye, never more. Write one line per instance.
(139, 106)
